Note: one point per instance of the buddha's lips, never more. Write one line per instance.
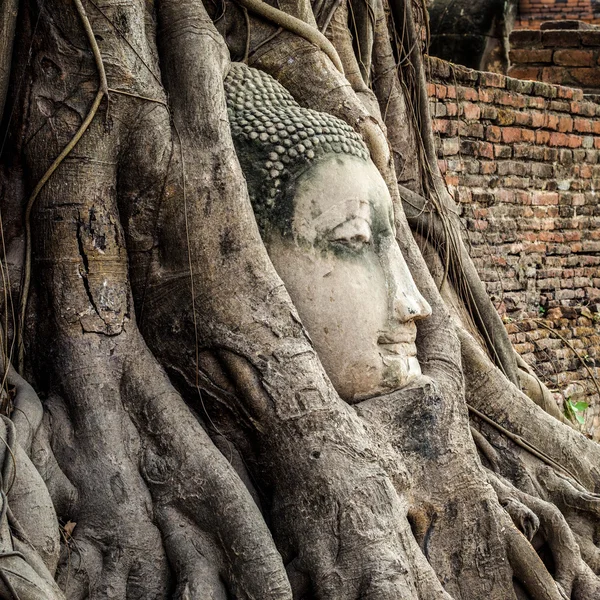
(398, 343)
(392, 338)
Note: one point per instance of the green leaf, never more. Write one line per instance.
(580, 418)
(581, 406)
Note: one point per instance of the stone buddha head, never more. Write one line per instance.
(326, 218)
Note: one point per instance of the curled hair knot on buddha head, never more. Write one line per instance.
(276, 140)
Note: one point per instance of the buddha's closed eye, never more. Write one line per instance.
(354, 234)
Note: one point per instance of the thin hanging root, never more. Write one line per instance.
(102, 91)
(519, 441)
(297, 26)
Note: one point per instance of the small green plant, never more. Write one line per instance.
(574, 411)
(542, 310)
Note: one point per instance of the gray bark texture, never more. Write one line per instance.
(168, 429)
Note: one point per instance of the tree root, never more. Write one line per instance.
(571, 572)
(290, 23)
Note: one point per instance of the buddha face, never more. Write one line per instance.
(348, 279)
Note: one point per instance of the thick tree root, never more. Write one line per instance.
(29, 536)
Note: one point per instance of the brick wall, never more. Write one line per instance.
(565, 57)
(522, 159)
(532, 13)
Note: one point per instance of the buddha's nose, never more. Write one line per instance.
(408, 302)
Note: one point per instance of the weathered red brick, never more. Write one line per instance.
(537, 119)
(527, 135)
(565, 124)
(559, 105)
(590, 38)
(585, 125)
(524, 38)
(450, 146)
(536, 102)
(502, 151)
(587, 109)
(511, 99)
(523, 118)
(451, 109)
(586, 76)
(511, 135)
(488, 167)
(471, 111)
(489, 112)
(493, 133)
(530, 55)
(544, 198)
(519, 72)
(470, 129)
(560, 39)
(566, 92)
(492, 80)
(556, 75)
(467, 93)
(551, 121)
(542, 137)
(445, 126)
(573, 57)
(558, 139)
(486, 95)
